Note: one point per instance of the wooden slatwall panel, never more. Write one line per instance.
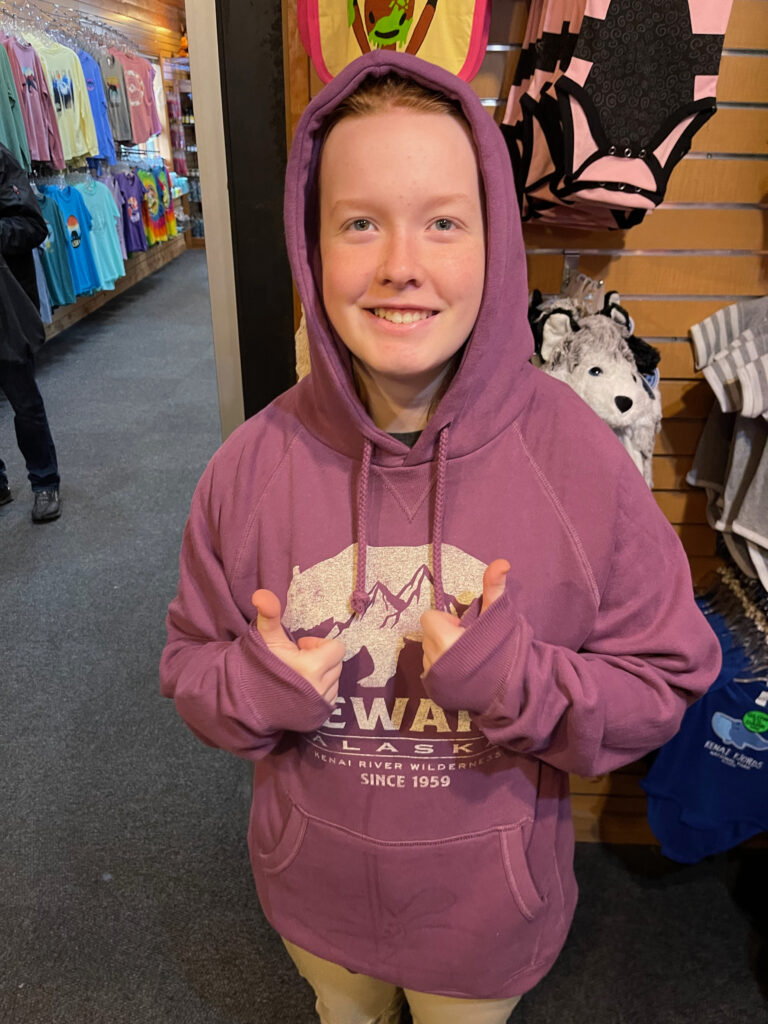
(705, 248)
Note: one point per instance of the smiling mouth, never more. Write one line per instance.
(402, 316)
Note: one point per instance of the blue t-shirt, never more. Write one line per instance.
(77, 224)
(98, 101)
(708, 787)
(104, 238)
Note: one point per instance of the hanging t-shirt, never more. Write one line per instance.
(141, 96)
(40, 125)
(117, 195)
(166, 198)
(53, 254)
(154, 215)
(12, 132)
(77, 222)
(118, 108)
(104, 239)
(66, 84)
(708, 786)
(133, 224)
(98, 101)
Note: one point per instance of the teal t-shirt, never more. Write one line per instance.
(53, 253)
(104, 238)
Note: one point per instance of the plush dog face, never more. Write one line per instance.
(597, 363)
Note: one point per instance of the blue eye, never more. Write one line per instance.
(595, 371)
(444, 224)
(361, 224)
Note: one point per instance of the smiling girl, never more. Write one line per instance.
(426, 583)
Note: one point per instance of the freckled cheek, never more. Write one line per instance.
(345, 277)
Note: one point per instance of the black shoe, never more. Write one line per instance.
(47, 506)
(5, 495)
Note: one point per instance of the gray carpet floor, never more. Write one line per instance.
(125, 891)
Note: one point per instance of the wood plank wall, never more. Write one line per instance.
(705, 249)
(152, 26)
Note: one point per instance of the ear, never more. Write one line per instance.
(646, 357)
(556, 329)
(617, 313)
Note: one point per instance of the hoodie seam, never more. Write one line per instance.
(232, 575)
(563, 516)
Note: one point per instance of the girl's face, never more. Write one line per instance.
(402, 242)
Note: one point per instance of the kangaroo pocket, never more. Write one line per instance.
(457, 914)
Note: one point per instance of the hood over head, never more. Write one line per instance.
(495, 376)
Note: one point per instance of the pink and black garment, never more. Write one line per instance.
(607, 98)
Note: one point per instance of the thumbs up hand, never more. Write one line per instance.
(442, 630)
(315, 659)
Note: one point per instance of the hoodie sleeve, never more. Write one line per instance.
(650, 653)
(228, 687)
(22, 225)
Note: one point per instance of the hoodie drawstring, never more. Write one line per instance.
(360, 598)
(437, 520)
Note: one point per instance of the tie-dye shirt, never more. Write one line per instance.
(154, 215)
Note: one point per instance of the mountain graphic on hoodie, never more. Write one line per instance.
(318, 601)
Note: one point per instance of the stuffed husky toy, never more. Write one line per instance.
(593, 356)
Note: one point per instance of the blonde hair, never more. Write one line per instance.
(376, 95)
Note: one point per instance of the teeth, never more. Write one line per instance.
(395, 316)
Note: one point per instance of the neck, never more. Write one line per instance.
(399, 407)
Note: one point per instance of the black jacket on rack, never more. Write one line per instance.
(22, 228)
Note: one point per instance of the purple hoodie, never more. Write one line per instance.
(420, 830)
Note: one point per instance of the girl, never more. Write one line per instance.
(426, 583)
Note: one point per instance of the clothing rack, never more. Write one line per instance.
(743, 604)
(87, 31)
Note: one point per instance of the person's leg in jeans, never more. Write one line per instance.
(33, 435)
(5, 493)
(344, 997)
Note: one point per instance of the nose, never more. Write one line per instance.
(400, 263)
(623, 403)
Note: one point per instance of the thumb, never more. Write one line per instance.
(439, 623)
(494, 582)
(308, 643)
(268, 610)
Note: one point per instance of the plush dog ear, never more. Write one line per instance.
(617, 313)
(555, 329)
(646, 357)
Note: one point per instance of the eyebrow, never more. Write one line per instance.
(432, 201)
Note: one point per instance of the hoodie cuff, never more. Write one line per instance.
(473, 673)
(278, 696)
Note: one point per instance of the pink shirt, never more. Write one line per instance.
(36, 106)
(141, 96)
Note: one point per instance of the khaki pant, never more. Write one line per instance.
(347, 998)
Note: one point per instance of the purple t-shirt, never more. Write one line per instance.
(133, 224)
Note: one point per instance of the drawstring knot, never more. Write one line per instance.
(359, 601)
